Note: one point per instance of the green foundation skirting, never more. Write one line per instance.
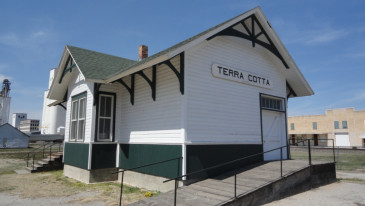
(76, 154)
(134, 155)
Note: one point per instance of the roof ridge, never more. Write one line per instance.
(181, 43)
(100, 52)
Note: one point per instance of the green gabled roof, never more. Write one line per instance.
(96, 65)
(99, 66)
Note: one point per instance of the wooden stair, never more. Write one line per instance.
(53, 162)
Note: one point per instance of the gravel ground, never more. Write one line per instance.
(339, 193)
(73, 200)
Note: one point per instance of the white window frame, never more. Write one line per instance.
(77, 119)
(111, 118)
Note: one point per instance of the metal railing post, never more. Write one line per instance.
(176, 185)
(50, 153)
(281, 161)
(121, 189)
(44, 147)
(27, 159)
(333, 149)
(235, 185)
(309, 152)
(33, 162)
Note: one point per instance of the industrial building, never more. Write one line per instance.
(217, 96)
(346, 126)
(5, 102)
(29, 125)
(53, 118)
(17, 117)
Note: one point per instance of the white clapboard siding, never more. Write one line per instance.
(222, 111)
(78, 85)
(149, 121)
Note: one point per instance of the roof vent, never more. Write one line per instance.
(142, 52)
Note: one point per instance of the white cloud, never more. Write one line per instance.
(315, 37)
(10, 40)
(325, 36)
(2, 77)
(26, 40)
(39, 34)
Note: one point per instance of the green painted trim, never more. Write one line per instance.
(79, 96)
(203, 156)
(103, 156)
(76, 154)
(134, 155)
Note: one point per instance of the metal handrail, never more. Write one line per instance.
(236, 160)
(43, 147)
(138, 167)
(223, 164)
(304, 140)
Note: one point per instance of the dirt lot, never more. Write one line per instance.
(52, 188)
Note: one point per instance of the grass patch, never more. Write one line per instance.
(354, 180)
(5, 189)
(344, 160)
(107, 188)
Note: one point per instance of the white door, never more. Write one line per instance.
(342, 140)
(274, 135)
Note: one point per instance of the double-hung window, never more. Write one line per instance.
(78, 115)
(336, 125)
(105, 117)
(314, 124)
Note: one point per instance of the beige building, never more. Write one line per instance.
(345, 126)
(29, 125)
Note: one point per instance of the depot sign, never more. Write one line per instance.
(241, 76)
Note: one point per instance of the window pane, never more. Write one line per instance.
(82, 108)
(104, 129)
(102, 106)
(314, 125)
(73, 130)
(74, 110)
(108, 104)
(336, 125)
(101, 128)
(344, 124)
(292, 126)
(81, 130)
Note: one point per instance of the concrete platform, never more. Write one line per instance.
(255, 186)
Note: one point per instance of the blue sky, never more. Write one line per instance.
(325, 38)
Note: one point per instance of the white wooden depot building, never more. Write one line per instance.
(215, 97)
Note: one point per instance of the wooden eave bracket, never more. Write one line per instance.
(252, 36)
(179, 75)
(129, 89)
(152, 82)
(291, 91)
(67, 68)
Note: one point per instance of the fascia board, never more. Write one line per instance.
(138, 68)
(213, 32)
(282, 49)
(58, 73)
